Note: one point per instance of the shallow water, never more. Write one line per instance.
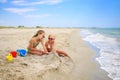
(107, 42)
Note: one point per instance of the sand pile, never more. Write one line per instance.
(33, 67)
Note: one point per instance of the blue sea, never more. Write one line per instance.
(107, 45)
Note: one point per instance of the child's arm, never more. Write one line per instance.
(46, 44)
(43, 46)
(53, 46)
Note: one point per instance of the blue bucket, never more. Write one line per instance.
(22, 52)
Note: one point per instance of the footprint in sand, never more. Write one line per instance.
(24, 64)
(21, 78)
(66, 65)
(17, 71)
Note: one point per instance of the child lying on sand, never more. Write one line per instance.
(50, 46)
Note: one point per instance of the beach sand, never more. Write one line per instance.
(48, 67)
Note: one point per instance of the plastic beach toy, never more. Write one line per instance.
(22, 52)
(14, 54)
(9, 57)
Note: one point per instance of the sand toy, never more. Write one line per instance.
(22, 52)
(14, 54)
(9, 57)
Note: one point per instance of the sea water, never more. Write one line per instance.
(107, 42)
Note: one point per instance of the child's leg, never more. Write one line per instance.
(37, 52)
(62, 53)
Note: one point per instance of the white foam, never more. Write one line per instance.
(109, 52)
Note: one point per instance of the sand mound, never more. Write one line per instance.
(34, 67)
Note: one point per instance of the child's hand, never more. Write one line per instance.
(46, 52)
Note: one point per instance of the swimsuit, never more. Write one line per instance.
(34, 46)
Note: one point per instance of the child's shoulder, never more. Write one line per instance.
(32, 40)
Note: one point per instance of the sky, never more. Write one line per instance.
(60, 13)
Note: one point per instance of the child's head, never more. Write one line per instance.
(41, 33)
(51, 37)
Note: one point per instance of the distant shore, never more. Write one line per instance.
(32, 67)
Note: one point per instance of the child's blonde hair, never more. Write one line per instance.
(51, 35)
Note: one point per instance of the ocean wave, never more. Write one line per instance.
(109, 49)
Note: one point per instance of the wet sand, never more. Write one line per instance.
(48, 67)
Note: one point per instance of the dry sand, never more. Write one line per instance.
(48, 67)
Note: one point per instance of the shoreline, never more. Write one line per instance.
(94, 67)
(68, 40)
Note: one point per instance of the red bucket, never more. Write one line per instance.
(13, 53)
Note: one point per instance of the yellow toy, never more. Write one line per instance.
(9, 57)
